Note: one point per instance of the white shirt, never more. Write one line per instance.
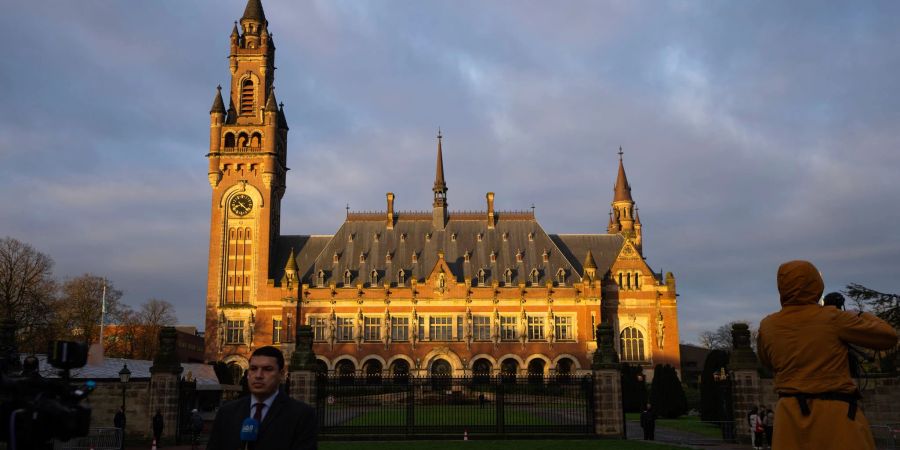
(267, 402)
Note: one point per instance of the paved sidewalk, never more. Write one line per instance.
(683, 438)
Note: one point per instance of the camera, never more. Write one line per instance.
(35, 410)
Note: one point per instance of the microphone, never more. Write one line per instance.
(249, 431)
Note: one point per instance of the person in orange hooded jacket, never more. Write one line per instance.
(805, 345)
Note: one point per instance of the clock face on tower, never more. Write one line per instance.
(241, 204)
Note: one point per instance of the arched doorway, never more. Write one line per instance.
(440, 374)
(481, 370)
(346, 371)
(536, 371)
(400, 371)
(372, 370)
(564, 370)
(509, 370)
(321, 370)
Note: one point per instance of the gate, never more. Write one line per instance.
(454, 406)
(187, 401)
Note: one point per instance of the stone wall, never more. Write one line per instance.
(107, 398)
(881, 397)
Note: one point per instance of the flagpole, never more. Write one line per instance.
(102, 311)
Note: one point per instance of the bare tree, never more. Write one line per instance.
(27, 292)
(720, 339)
(79, 308)
(154, 315)
(136, 334)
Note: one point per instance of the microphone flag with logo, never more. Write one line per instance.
(249, 430)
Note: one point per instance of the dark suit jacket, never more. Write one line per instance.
(289, 424)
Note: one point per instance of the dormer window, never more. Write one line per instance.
(507, 277)
(561, 277)
(466, 256)
(545, 256)
(377, 235)
(350, 237)
(530, 236)
(481, 275)
(336, 258)
(493, 256)
(373, 278)
(401, 277)
(388, 257)
(362, 258)
(479, 237)
(519, 255)
(402, 237)
(347, 278)
(453, 237)
(320, 278)
(505, 237)
(533, 277)
(427, 237)
(415, 257)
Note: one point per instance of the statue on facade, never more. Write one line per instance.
(358, 337)
(495, 328)
(523, 327)
(660, 330)
(386, 329)
(467, 328)
(414, 328)
(330, 329)
(550, 327)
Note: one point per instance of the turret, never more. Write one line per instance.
(622, 204)
(216, 120)
(590, 268)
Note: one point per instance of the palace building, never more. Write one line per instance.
(396, 293)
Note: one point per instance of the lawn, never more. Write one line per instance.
(535, 444)
(690, 424)
(444, 415)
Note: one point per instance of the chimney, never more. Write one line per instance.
(490, 210)
(390, 210)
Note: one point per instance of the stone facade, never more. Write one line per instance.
(107, 398)
(411, 292)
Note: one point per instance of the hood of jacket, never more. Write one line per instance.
(799, 283)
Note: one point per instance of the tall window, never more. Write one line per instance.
(401, 277)
(422, 328)
(372, 328)
(344, 329)
(481, 328)
(247, 97)
(441, 328)
(276, 331)
(564, 331)
(318, 325)
(632, 341)
(508, 328)
(399, 328)
(234, 332)
(238, 262)
(536, 328)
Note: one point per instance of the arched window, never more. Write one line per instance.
(401, 277)
(636, 283)
(533, 277)
(507, 277)
(632, 343)
(372, 368)
(509, 370)
(243, 140)
(481, 274)
(229, 139)
(481, 370)
(347, 278)
(536, 371)
(400, 371)
(346, 371)
(620, 280)
(561, 277)
(255, 140)
(247, 99)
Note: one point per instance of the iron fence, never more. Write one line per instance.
(454, 406)
(887, 436)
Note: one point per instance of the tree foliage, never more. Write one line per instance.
(666, 394)
(136, 335)
(711, 395)
(79, 306)
(720, 338)
(634, 388)
(27, 292)
(887, 307)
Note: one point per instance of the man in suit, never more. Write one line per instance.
(285, 423)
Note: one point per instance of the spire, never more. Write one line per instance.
(439, 184)
(291, 265)
(235, 34)
(589, 261)
(622, 189)
(254, 11)
(270, 103)
(218, 105)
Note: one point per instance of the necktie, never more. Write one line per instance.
(257, 416)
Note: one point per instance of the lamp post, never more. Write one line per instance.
(124, 377)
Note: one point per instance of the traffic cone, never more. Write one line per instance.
(153, 447)
(466, 435)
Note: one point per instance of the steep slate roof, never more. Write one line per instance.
(565, 252)
(254, 11)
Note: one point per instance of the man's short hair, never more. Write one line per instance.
(834, 299)
(270, 351)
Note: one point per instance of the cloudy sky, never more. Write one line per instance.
(754, 132)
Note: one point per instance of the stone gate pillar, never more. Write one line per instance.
(302, 370)
(164, 377)
(609, 418)
(744, 379)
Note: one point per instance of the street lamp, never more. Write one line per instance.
(124, 377)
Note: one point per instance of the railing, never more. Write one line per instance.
(887, 436)
(97, 439)
(454, 406)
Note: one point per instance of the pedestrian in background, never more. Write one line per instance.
(158, 428)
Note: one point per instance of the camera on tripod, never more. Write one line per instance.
(35, 410)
